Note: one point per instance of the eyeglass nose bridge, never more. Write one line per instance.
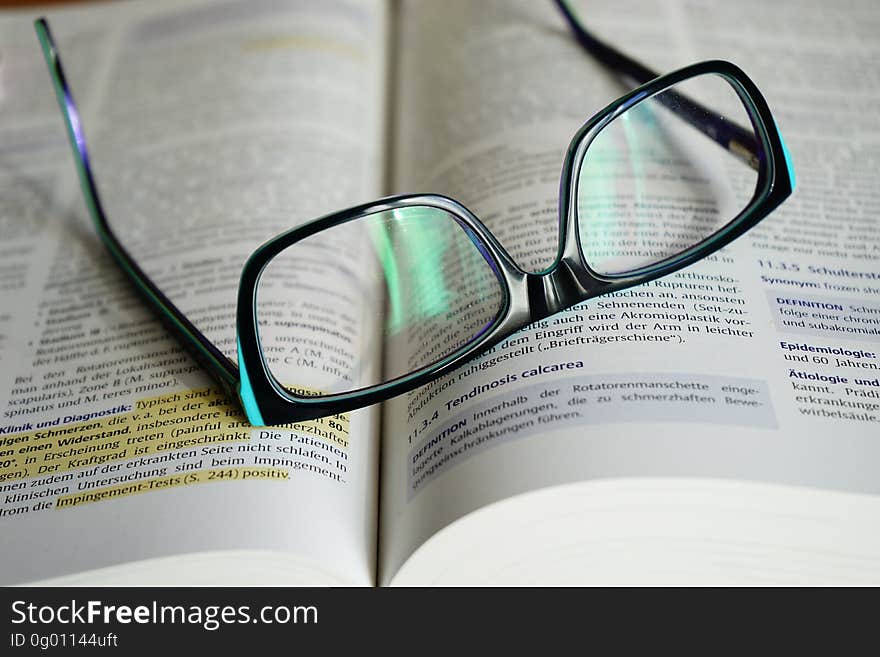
(558, 289)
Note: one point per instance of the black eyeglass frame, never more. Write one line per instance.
(528, 296)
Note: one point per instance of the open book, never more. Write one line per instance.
(718, 425)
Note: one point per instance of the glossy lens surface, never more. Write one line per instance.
(375, 299)
(665, 175)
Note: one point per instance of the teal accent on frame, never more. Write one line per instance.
(246, 393)
(788, 163)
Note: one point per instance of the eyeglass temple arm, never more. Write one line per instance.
(739, 141)
(220, 367)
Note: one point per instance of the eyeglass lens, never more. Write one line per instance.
(413, 280)
(654, 182)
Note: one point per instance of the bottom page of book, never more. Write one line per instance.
(720, 423)
(121, 461)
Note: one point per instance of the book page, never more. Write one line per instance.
(213, 127)
(759, 363)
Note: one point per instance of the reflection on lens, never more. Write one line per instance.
(657, 180)
(374, 299)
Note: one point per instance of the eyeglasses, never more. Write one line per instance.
(652, 183)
